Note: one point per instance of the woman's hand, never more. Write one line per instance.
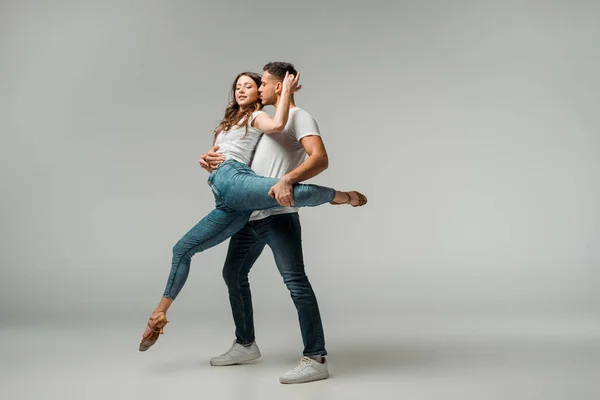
(290, 83)
(277, 123)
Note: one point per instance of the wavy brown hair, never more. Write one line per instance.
(234, 114)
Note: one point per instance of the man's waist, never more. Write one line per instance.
(256, 215)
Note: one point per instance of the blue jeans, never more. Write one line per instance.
(282, 233)
(238, 191)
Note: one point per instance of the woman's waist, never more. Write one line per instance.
(235, 153)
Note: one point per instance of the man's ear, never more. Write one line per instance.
(278, 87)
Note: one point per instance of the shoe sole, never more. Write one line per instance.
(147, 344)
(307, 379)
(224, 363)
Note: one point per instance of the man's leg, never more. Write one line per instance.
(284, 237)
(244, 249)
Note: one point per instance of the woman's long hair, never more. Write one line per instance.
(234, 115)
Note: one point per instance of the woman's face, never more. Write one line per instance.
(246, 91)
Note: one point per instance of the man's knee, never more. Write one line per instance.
(229, 276)
(297, 284)
(232, 276)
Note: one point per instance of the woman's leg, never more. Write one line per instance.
(213, 229)
(249, 192)
(219, 225)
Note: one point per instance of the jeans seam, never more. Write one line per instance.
(216, 192)
(238, 282)
(171, 282)
(317, 323)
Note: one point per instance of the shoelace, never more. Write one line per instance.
(304, 362)
(235, 346)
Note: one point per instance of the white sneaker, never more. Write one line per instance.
(237, 354)
(307, 371)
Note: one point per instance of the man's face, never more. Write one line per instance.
(269, 88)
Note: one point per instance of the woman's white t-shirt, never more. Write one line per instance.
(238, 145)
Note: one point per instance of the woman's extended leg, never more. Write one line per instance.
(213, 229)
(249, 192)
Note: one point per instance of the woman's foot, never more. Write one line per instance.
(154, 329)
(354, 198)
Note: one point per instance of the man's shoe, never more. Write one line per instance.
(237, 354)
(307, 371)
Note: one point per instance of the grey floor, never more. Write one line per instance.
(399, 357)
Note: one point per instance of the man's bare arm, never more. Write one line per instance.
(316, 163)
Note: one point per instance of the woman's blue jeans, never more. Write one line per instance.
(238, 191)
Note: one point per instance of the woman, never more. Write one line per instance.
(237, 189)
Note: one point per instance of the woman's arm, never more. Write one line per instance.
(264, 122)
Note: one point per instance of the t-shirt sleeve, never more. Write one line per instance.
(254, 115)
(304, 125)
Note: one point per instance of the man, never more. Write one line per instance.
(284, 156)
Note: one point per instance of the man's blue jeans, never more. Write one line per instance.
(282, 233)
(238, 191)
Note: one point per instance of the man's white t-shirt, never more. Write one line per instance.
(279, 153)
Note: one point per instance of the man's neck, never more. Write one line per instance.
(292, 102)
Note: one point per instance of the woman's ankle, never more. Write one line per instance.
(342, 197)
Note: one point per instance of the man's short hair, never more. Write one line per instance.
(279, 68)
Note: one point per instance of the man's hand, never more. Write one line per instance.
(211, 159)
(283, 192)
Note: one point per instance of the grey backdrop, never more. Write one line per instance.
(473, 127)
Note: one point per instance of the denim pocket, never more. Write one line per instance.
(215, 190)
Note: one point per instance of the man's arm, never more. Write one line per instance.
(316, 163)
(211, 159)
